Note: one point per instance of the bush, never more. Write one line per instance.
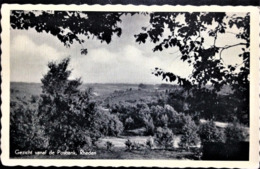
(115, 126)
(128, 145)
(109, 145)
(108, 124)
(210, 133)
(34, 98)
(164, 137)
(235, 133)
(190, 136)
(150, 143)
(164, 116)
(142, 86)
(25, 131)
(162, 120)
(129, 123)
(177, 123)
(137, 146)
(149, 126)
(86, 139)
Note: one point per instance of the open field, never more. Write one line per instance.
(119, 142)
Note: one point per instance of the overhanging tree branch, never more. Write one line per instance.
(229, 46)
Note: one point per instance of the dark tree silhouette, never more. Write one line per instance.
(65, 112)
(209, 68)
(67, 26)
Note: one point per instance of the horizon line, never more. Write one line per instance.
(105, 83)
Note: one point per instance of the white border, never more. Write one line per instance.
(254, 89)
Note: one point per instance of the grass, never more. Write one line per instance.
(120, 141)
(120, 153)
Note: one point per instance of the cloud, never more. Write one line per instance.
(128, 64)
(113, 63)
(121, 61)
(24, 45)
(29, 60)
(101, 56)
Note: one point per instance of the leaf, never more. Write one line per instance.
(184, 57)
(172, 78)
(158, 47)
(163, 76)
(141, 37)
(173, 42)
(84, 51)
(183, 29)
(232, 68)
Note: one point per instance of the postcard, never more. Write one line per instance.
(126, 85)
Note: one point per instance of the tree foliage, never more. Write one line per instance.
(129, 123)
(65, 112)
(207, 61)
(190, 135)
(108, 124)
(210, 133)
(67, 26)
(25, 131)
(163, 137)
(235, 133)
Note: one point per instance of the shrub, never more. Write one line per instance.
(108, 124)
(235, 133)
(163, 116)
(149, 126)
(129, 123)
(109, 145)
(176, 99)
(137, 146)
(115, 126)
(13, 104)
(128, 145)
(163, 137)
(150, 143)
(142, 86)
(177, 123)
(34, 98)
(198, 153)
(190, 136)
(210, 133)
(86, 139)
(25, 131)
(170, 111)
(163, 120)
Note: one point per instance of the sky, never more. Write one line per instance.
(121, 61)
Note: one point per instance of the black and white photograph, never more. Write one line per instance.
(122, 84)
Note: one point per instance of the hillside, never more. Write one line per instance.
(115, 92)
(107, 93)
